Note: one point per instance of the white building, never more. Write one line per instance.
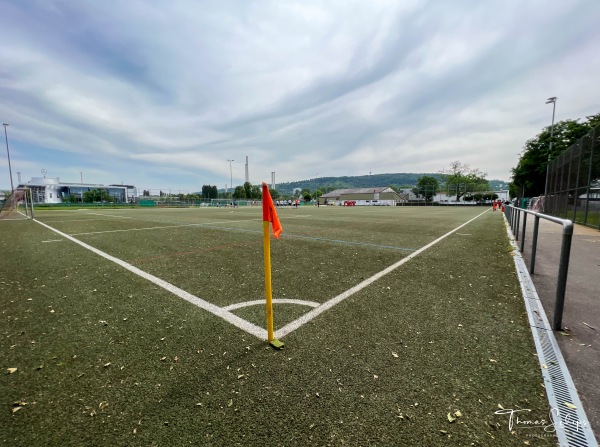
(52, 190)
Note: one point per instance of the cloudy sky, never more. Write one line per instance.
(161, 94)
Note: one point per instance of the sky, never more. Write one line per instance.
(161, 94)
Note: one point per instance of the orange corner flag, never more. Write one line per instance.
(269, 211)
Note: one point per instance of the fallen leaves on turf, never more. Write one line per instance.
(453, 416)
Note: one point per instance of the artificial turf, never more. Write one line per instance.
(106, 358)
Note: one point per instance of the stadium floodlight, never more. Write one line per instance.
(552, 101)
(12, 188)
(230, 175)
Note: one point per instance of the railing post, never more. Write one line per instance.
(563, 269)
(517, 224)
(536, 225)
(523, 232)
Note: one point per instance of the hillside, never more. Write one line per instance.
(365, 181)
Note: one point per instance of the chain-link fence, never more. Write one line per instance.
(574, 182)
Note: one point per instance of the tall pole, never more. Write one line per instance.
(231, 175)
(12, 188)
(548, 101)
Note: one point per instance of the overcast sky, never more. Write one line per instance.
(160, 94)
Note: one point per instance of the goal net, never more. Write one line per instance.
(16, 206)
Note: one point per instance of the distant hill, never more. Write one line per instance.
(365, 181)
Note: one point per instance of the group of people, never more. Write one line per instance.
(294, 203)
(498, 205)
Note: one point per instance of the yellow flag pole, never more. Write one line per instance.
(268, 289)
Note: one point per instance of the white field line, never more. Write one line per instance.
(275, 301)
(54, 240)
(215, 310)
(206, 224)
(133, 229)
(109, 215)
(290, 327)
(159, 228)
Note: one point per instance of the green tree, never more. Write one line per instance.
(462, 179)
(248, 190)
(274, 194)
(239, 192)
(255, 192)
(529, 176)
(97, 195)
(426, 187)
(209, 192)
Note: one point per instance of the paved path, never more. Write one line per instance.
(581, 316)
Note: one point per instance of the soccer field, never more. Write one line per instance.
(402, 326)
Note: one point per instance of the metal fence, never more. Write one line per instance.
(574, 182)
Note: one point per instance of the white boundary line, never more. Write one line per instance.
(215, 310)
(357, 288)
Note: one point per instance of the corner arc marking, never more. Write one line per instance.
(275, 301)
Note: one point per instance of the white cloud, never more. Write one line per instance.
(167, 92)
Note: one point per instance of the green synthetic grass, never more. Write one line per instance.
(106, 358)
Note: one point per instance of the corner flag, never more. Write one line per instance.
(269, 211)
(269, 216)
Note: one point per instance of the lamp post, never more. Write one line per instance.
(548, 101)
(12, 188)
(231, 175)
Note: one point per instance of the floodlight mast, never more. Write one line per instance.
(230, 175)
(552, 101)
(12, 188)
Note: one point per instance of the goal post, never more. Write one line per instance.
(17, 205)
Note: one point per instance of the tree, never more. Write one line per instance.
(97, 195)
(426, 187)
(307, 196)
(209, 192)
(529, 176)
(247, 190)
(239, 192)
(463, 178)
(274, 194)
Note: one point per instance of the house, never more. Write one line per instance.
(379, 196)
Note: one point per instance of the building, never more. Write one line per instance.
(382, 196)
(52, 190)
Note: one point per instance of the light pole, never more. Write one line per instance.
(231, 175)
(548, 101)
(12, 188)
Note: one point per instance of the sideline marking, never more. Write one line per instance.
(213, 225)
(275, 301)
(357, 288)
(213, 309)
(54, 240)
(133, 229)
(109, 215)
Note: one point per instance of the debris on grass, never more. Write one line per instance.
(591, 327)
(453, 416)
(11, 370)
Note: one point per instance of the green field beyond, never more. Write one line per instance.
(94, 354)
